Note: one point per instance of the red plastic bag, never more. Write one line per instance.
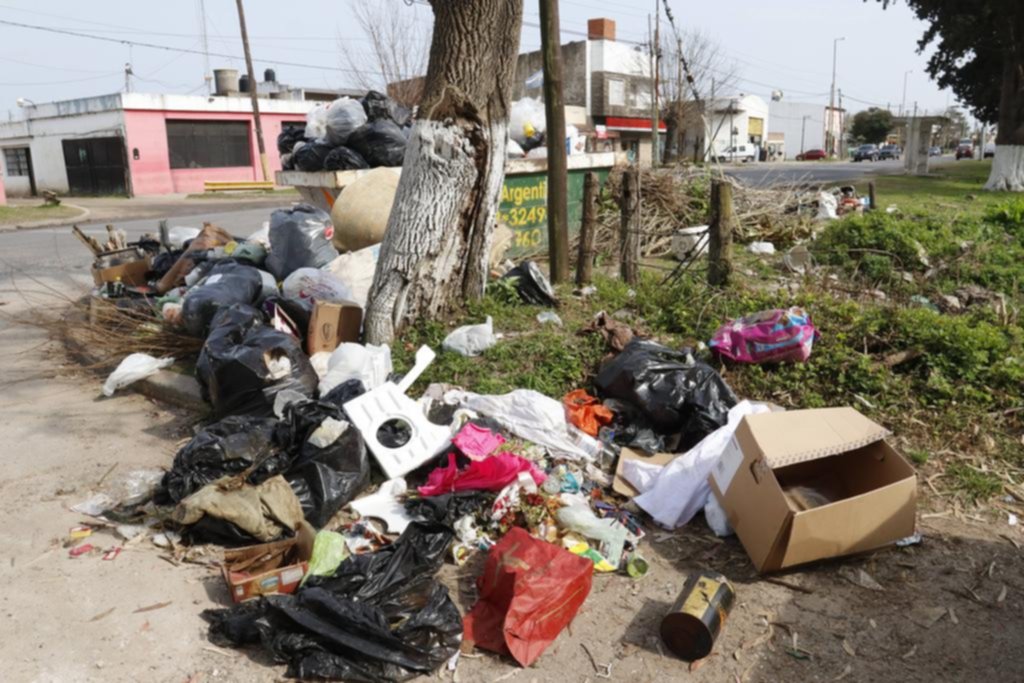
(586, 412)
(529, 592)
(491, 474)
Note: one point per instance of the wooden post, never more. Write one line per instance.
(629, 239)
(554, 113)
(720, 234)
(257, 122)
(871, 196)
(585, 257)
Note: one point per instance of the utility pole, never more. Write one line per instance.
(803, 132)
(253, 94)
(830, 135)
(903, 104)
(680, 112)
(554, 113)
(842, 125)
(656, 66)
(205, 43)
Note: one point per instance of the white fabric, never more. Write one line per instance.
(529, 415)
(133, 368)
(680, 489)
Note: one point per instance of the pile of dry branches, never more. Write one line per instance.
(674, 198)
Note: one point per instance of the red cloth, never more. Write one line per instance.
(491, 474)
(529, 592)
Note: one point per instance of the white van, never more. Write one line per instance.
(742, 153)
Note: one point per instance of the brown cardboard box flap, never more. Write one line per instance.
(623, 487)
(802, 435)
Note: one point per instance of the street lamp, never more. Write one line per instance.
(903, 104)
(24, 102)
(830, 136)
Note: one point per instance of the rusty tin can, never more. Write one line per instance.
(692, 627)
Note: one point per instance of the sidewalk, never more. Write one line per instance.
(114, 209)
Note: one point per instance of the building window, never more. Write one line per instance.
(16, 159)
(616, 93)
(208, 144)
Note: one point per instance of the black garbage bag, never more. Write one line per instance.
(532, 285)
(227, 283)
(310, 156)
(344, 392)
(679, 395)
(533, 142)
(300, 237)
(163, 262)
(244, 364)
(380, 142)
(288, 162)
(223, 448)
(287, 138)
(448, 508)
(631, 427)
(382, 616)
(327, 476)
(377, 106)
(343, 158)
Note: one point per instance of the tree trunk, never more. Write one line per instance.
(1008, 165)
(435, 251)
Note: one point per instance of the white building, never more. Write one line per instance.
(737, 120)
(801, 126)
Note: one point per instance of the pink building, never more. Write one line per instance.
(141, 144)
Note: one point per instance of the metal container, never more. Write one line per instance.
(692, 627)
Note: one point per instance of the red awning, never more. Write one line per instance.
(631, 123)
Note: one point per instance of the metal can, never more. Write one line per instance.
(692, 627)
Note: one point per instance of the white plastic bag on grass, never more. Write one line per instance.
(471, 340)
(371, 364)
(133, 368)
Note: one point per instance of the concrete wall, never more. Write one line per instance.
(787, 118)
(721, 121)
(574, 74)
(151, 173)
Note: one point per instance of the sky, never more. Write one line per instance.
(780, 45)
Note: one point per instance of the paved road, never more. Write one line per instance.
(788, 173)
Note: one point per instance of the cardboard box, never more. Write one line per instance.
(268, 568)
(333, 323)
(623, 487)
(869, 489)
(132, 273)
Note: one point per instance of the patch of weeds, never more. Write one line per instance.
(918, 457)
(974, 484)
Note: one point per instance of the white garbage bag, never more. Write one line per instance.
(313, 283)
(471, 340)
(133, 368)
(526, 119)
(179, 234)
(371, 364)
(355, 269)
(343, 116)
(828, 205)
(316, 123)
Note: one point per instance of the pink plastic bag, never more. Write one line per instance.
(767, 337)
(492, 474)
(476, 443)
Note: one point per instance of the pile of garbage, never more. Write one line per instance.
(348, 134)
(526, 132)
(337, 497)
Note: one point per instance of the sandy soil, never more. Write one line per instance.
(951, 609)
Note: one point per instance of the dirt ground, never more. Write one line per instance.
(949, 609)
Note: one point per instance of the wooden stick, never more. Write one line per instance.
(90, 242)
(585, 258)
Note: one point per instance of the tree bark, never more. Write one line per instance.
(1008, 165)
(435, 250)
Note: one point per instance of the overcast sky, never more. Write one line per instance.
(783, 44)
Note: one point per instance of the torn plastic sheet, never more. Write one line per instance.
(386, 506)
(529, 415)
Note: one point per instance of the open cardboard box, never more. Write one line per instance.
(268, 568)
(333, 323)
(807, 485)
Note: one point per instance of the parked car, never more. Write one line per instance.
(742, 153)
(812, 155)
(990, 150)
(935, 152)
(866, 153)
(964, 152)
(890, 152)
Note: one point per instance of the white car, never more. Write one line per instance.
(742, 153)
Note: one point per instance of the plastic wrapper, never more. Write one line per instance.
(381, 616)
(532, 285)
(300, 237)
(530, 591)
(244, 364)
(227, 284)
(677, 394)
(471, 340)
(380, 142)
(329, 551)
(609, 533)
(311, 157)
(134, 367)
(773, 336)
(344, 115)
(342, 158)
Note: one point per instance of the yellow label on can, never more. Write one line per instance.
(699, 599)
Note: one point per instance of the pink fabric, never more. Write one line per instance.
(491, 474)
(767, 337)
(477, 442)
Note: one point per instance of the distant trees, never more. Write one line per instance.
(393, 56)
(871, 126)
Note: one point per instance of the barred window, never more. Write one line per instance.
(16, 159)
(208, 144)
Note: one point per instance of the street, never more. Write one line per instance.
(810, 172)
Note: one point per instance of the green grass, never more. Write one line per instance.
(954, 189)
(973, 483)
(17, 215)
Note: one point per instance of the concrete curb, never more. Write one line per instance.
(166, 386)
(52, 222)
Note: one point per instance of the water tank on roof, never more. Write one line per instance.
(243, 83)
(269, 76)
(225, 81)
